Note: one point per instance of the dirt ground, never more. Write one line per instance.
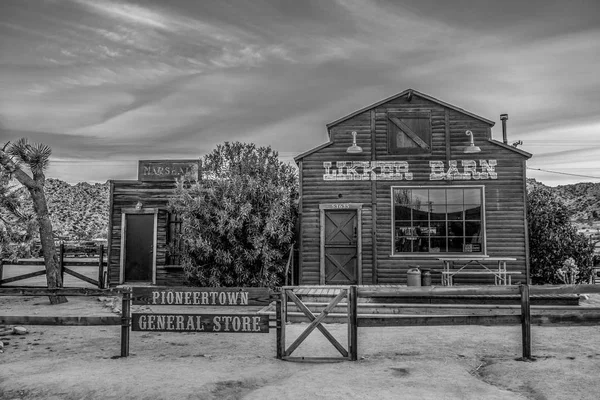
(464, 362)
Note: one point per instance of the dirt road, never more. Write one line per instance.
(466, 362)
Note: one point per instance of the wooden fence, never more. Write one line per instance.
(259, 324)
(68, 259)
(521, 294)
(124, 320)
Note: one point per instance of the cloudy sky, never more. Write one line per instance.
(107, 83)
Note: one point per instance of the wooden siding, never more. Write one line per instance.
(505, 225)
(154, 195)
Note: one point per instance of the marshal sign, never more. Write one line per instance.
(166, 170)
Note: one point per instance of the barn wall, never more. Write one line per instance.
(504, 196)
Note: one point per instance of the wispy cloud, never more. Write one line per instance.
(131, 79)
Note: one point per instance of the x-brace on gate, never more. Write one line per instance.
(316, 322)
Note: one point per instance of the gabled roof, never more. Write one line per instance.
(512, 148)
(409, 92)
(309, 152)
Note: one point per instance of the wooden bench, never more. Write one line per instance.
(501, 275)
(498, 280)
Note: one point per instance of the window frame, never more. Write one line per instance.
(391, 126)
(395, 254)
(173, 242)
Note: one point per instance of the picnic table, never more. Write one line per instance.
(501, 275)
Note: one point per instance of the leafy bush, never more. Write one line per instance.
(238, 219)
(553, 240)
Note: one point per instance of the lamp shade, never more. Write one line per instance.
(354, 148)
(471, 148)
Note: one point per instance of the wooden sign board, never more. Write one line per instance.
(166, 170)
(209, 323)
(201, 296)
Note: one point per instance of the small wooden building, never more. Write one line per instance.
(422, 180)
(143, 245)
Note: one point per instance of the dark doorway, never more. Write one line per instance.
(139, 247)
(341, 247)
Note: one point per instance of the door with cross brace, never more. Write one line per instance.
(340, 247)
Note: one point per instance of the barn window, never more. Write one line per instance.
(438, 220)
(174, 242)
(409, 133)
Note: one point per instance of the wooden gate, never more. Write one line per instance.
(316, 322)
(340, 244)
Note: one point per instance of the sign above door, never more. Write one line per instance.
(166, 170)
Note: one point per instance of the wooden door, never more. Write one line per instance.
(139, 247)
(341, 247)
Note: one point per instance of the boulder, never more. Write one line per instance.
(19, 330)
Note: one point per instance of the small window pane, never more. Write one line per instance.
(420, 215)
(438, 245)
(402, 196)
(455, 229)
(403, 212)
(473, 212)
(472, 196)
(438, 228)
(437, 196)
(455, 216)
(473, 229)
(455, 244)
(420, 197)
(454, 196)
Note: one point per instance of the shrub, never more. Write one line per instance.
(553, 240)
(238, 219)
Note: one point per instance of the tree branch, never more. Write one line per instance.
(17, 172)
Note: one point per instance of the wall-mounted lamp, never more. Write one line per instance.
(354, 148)
(138, 205)
(471, 148)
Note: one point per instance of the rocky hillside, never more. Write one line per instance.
(78, 212)
(81, 211)
(583, 199)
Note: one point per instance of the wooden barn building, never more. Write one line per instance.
(411, 181)
(143, 245)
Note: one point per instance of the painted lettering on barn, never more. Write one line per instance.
(400, 170)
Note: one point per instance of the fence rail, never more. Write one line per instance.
(67, 260)
(521, 295)
(124, 320)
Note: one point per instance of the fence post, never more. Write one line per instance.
(125, 322)
(61, 261)
(282, 318)
(1, 268)
(278, 325)
(101, 267)
(352, 323)
(526, 321)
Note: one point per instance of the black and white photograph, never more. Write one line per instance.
(310, 199)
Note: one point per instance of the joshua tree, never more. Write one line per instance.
(36, 157)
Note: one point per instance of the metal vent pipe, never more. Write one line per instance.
(503, 118)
